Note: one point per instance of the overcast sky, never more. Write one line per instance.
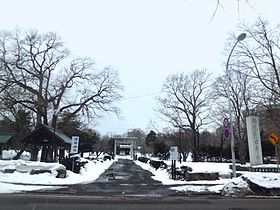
(145, 40)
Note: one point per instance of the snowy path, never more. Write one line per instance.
(24, 182)
(123, 178)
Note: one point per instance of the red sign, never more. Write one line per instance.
(226, 122)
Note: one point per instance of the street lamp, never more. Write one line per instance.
(239, 38)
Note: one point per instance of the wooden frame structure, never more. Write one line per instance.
(50, 141)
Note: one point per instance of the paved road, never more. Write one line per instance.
(123, 178)
(63, 202)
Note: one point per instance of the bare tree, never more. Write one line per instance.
(184, 103)
(37, 73)
(242, 93)
(180, 138)
(260, 53)
(140, 141)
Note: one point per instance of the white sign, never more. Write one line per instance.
(254, 141)
(74, 145)
(174, 153)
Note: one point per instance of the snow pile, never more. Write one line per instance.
(199, 189)
(215, 186)
(208, 167)
(23, 181)
(24, 166)
(267, 180)
(237, 187)
(161, 175)
(9, 154)
(226, 186)
(164, 176)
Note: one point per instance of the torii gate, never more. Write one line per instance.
(124, 143)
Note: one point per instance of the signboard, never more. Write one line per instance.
(74, 145)
(254, 140)
(174, 153)
(226, 133)
(226, 129)
(273, 138)
(226, 122)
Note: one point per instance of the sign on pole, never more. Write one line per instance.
(174, 153)
(226, 128)
(74, 145)
(273, 138)
(226, 133)
(226, 122)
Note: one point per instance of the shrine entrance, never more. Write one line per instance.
(125, 146)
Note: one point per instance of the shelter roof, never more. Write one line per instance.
(5, 137)
(47, 135)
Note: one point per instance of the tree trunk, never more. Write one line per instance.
(34, 153)
(185, 156)
(194, 150)
(240, 144)
(18, 155)
(241, 152)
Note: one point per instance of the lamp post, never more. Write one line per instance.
(239, 38)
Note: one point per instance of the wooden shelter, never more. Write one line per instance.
(5, 141)
(50, 141)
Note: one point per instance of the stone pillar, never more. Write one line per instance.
(254, 140)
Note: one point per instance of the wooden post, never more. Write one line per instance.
(1, 152)
(277, 158)
(173, 169)
(73, 164)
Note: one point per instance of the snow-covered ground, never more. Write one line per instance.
(226, 186)
(21, 180)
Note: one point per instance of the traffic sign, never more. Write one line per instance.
(273, 138)
(226, 133)
(226, 122)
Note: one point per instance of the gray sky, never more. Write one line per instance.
(145, 40)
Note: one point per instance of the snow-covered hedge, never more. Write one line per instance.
(24, 166)
(9, 154)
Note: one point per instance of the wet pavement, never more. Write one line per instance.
(123, 178)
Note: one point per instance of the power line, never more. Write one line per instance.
(141, 96)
